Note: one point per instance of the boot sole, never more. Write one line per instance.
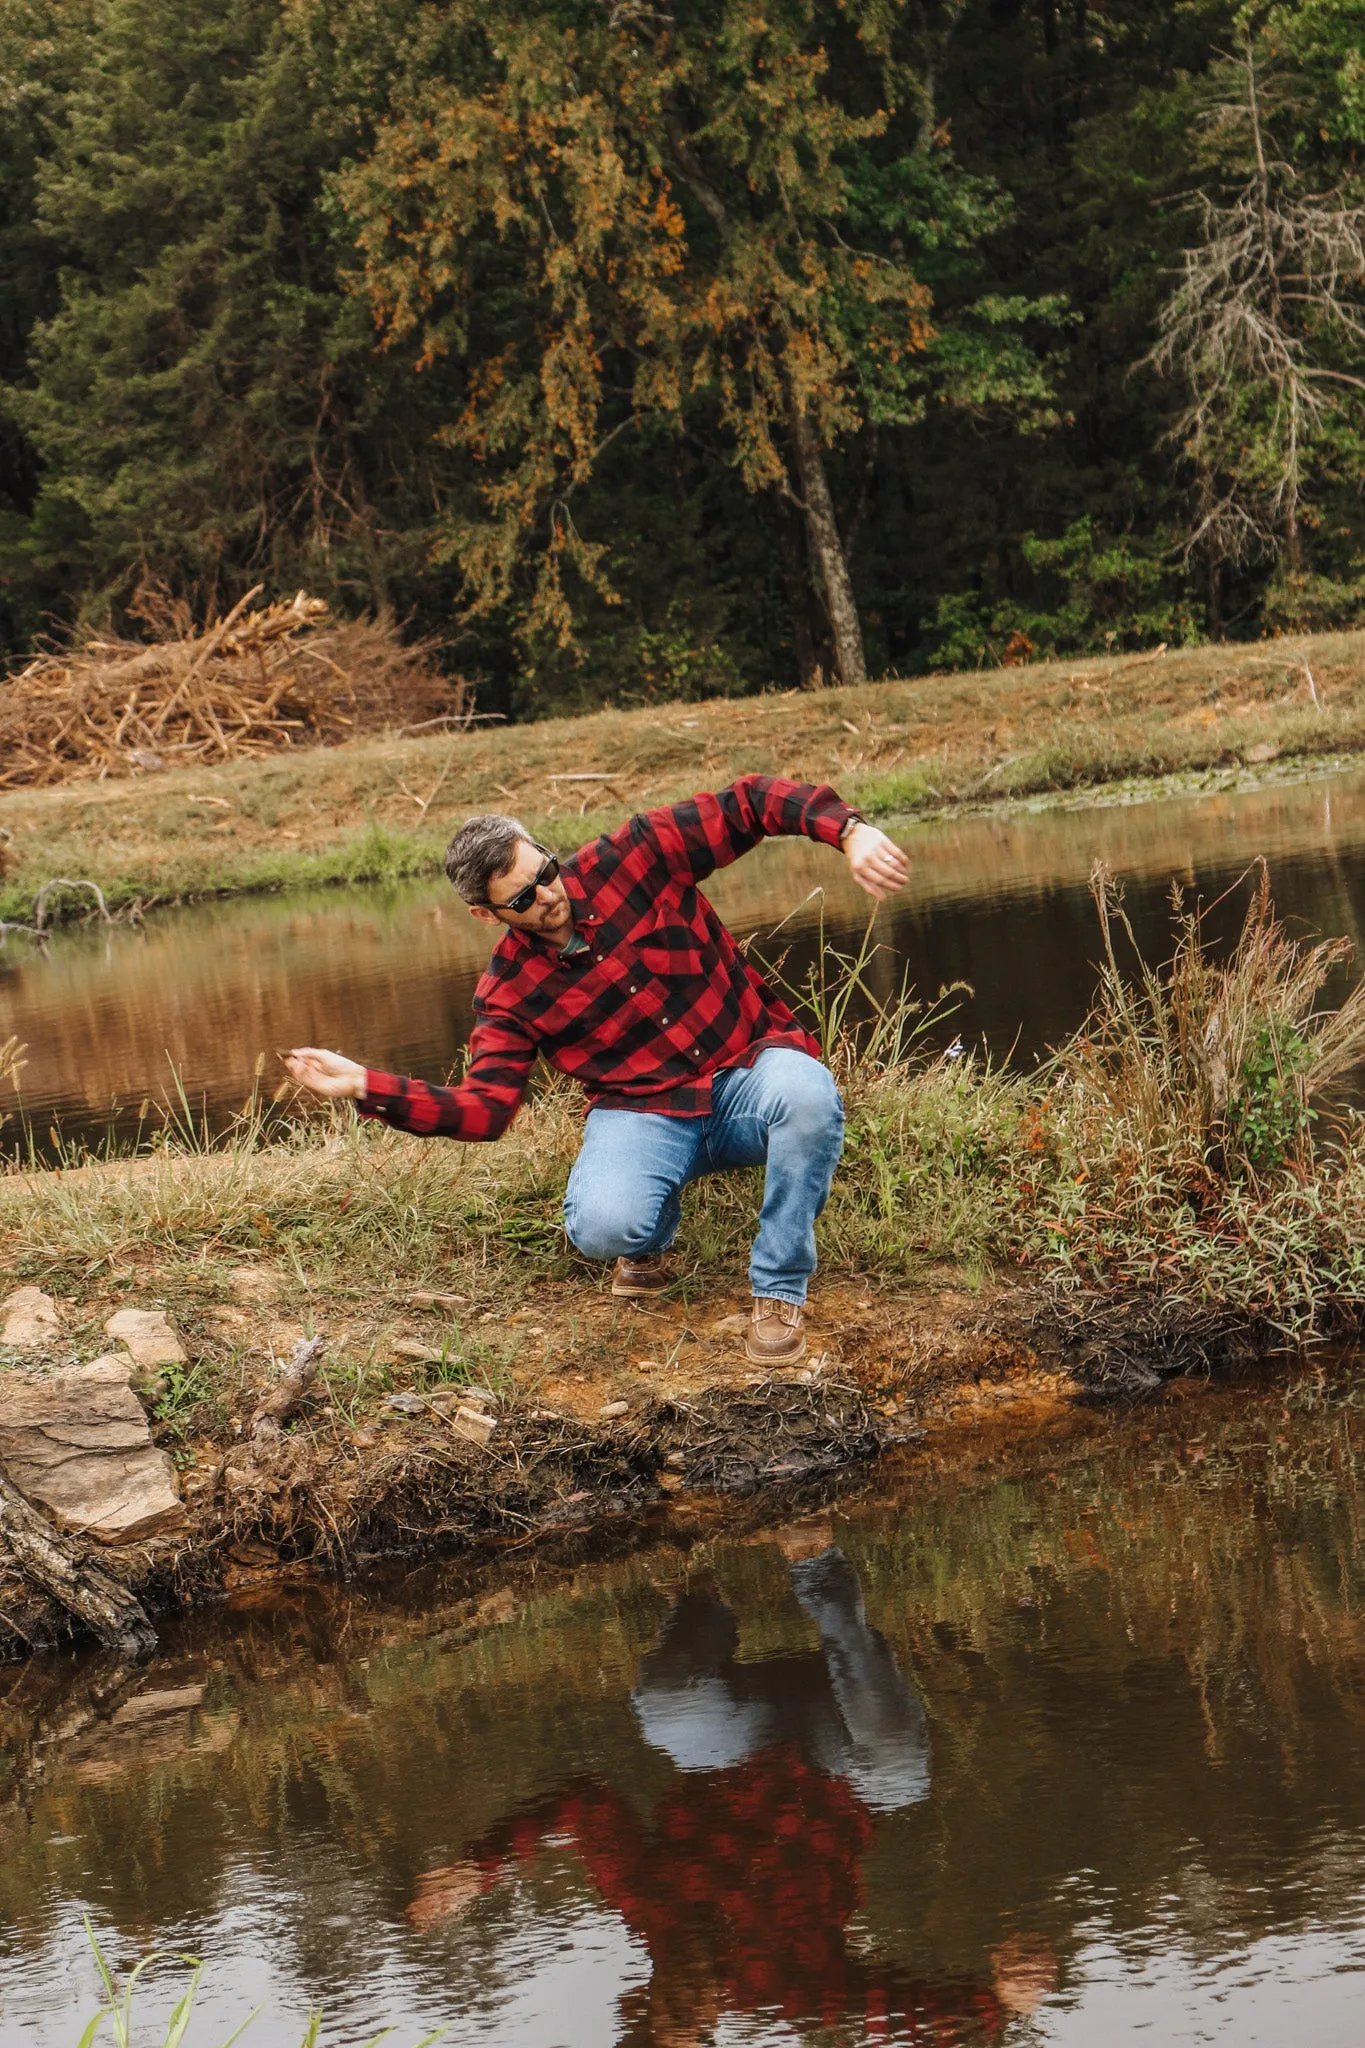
(625, 1292)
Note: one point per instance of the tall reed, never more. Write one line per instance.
(117, 2008)
(1182, 1166)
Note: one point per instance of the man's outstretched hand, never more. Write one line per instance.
(877, 863)
(326, 1073)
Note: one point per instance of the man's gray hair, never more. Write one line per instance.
(482, 848)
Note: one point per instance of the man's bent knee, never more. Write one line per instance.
(809, 1100)
(606, 1230)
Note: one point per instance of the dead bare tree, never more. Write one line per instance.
(1268, 311)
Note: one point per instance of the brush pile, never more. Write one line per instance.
(256, 680)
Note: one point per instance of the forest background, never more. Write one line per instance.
(644, 352)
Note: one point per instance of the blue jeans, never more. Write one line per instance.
(624, 1197)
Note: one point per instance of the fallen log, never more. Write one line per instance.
(107, 1608)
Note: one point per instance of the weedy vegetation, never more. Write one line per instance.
(381, 808)
(117, 2008)
(1195, 1175)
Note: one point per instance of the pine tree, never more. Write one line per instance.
(204, 398)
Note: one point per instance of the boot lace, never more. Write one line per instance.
(788, 1312)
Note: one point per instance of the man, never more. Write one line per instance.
(615, 969)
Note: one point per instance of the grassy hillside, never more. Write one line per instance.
(386, 807)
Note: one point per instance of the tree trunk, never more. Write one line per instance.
(796, 584)
(826, 549)
(53, 1562)
(1214, 620)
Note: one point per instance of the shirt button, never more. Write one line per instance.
(632, 988)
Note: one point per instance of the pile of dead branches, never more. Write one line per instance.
(260, 678)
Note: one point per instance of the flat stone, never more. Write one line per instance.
(148, 1336)
(610, 1409)
(77, 1445)
(29, 1320)
(473, 1425)
(414, 1348)
(154, 1706)
(445, 1399)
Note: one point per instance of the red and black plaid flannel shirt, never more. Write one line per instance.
(662, 998)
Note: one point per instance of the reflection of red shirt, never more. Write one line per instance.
(753, 1874)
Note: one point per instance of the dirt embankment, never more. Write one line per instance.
(434, 1465)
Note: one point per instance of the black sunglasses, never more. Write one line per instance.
(524, 898)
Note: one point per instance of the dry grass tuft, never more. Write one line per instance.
(1208, 1067)
(1180, 1197)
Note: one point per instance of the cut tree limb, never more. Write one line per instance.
(270, 1415)
(53, 1562)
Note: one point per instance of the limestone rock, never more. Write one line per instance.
(445, 1400)
(77, 1445)
(475, 1425)
(414, 1348)
(29, 1320)
(148, 1336)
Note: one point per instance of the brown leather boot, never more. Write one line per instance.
(777, 1332)
(636, 1278)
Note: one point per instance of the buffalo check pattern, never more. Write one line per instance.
(659, 1000)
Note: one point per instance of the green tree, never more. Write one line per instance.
(40, 51)
(203, 397)
(609, 212)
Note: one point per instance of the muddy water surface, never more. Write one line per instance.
(1069, 1751)
(184, 1012)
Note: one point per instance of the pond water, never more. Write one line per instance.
(187, 1011)
(1065, 1751)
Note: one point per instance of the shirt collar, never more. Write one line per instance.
(583, 912)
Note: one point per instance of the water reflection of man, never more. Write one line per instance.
(742, 1883)
(846, 1708)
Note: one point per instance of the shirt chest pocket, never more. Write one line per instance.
(667, 946)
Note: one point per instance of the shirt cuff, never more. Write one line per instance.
(383, 1093)
(829, 818)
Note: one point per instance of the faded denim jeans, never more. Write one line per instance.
(624, 1197)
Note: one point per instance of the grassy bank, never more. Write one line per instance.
(384, 808)
(1168, 1194)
